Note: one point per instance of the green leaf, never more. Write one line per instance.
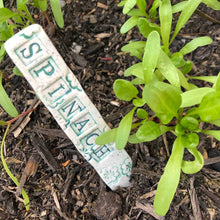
(2, 52)
(6, 31)
(190, 140)
(18, 20)
(136, 12)
(146, 27)
(153, 9)
(107, 137)
(1, 4)
(192, 86)
(142, 114)
(177, 59)
(170, 179)
(122, 3)
(57, 12)
(164, 99)
(194, 44)
(41, 4)
(6, 14)
(178, 7)
(189, 123)
(21, 4)
(215, 122)
(151, 54)
(137, 81)
(5, 101)
(165, 13)
(186, 13)
(128, 6)
(138, 102)
(168, 69)
(183, 80)
(21, 7)
(187, 67)
(124, 129)
(213, 133)
(211, 79)
(142, 5)
(135, 70)
(129, 24)
(148, 131)
(136, 48)
(179, 130)
(194, 97)
(190, 167)
(214, 4)
(216, 85)
(133, 139)
(209, 108)
(17, 72)
(124, 90)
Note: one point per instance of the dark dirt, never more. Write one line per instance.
(67, 187)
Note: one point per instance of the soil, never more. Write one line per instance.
(63, 185)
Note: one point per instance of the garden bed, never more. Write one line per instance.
(68, 187)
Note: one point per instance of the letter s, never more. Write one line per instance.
(31, 50)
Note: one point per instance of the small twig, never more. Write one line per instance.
(30, 170)
(148, 208)
(204, 15)
(86, 182)
(55, 198)
(212, 160)
(45, 153)
(212, 196)
(166, 144)
(71, 175)
(62, 214)
(194, 201)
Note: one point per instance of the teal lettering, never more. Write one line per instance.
(52, 93)
(48, 70)
(28, 37)
(89, 137)
(100, 152)
(82, 124)
(72, 108)
(33, 48)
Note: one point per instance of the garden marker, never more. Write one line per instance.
(34, 54)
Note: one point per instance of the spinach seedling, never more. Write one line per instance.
(179, 105)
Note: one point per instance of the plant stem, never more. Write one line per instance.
(14, 179)
(22, 114)
(48, 20)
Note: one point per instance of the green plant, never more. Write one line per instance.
(20, 19)
(56, 9)
(179, 105)
(14, 179)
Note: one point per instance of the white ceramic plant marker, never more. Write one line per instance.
(33, 53)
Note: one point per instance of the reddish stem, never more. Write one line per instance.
(105, 58)
(5, 76)
(22, 114)
(149, 5)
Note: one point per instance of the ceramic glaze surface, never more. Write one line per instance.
(34, 54)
